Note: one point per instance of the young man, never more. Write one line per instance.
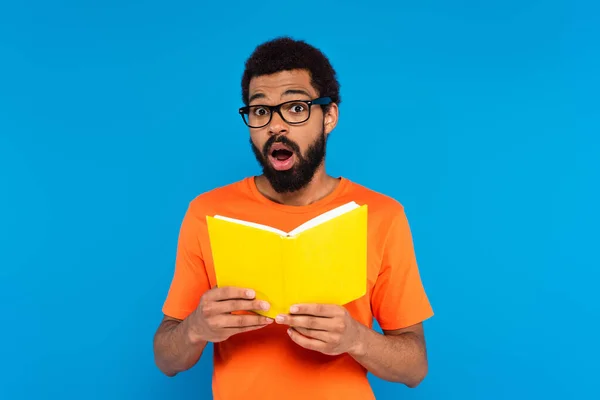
(316, 351)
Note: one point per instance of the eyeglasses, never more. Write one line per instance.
(292, 112)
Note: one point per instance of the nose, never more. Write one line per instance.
(277, 126)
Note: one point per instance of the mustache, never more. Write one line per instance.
(280, 139)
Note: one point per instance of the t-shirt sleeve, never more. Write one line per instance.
(399, 299)
(190, 280)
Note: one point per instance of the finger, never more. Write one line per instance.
(319, 310)
(227, 306)
(230, 292)
(307, 322)
(306, 342)
(240, 321)
(322, 336)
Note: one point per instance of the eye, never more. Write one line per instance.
(297, 107)
(260, 111)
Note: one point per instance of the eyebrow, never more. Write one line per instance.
(256, 96)
(296, 91)
(286, 93)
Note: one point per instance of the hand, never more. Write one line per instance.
(329, 329)
(213, 321)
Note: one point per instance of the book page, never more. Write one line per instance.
(324, 217)
(252, 224)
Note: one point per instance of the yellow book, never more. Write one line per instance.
(322, 261)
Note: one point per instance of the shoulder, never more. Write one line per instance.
(380, 205)
(387, 219)
(210, 201)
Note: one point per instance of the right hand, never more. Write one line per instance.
(212, 320)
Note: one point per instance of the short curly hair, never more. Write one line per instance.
(284, 54)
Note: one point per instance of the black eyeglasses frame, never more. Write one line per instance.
(277, 108)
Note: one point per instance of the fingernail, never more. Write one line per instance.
(279, 319)
(294, 309)
(250, 293)
(269, 320)
(264, 305)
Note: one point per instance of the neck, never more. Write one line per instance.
(319, 187)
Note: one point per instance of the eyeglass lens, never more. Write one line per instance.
(294, 112)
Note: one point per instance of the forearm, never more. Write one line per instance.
(397, 358)
(174, 350)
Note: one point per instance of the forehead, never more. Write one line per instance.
(275, 86)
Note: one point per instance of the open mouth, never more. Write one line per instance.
(281, 156)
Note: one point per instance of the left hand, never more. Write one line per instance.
(329, 329)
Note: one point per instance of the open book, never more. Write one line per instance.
(323, 260)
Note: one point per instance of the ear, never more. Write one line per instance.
(331, 118)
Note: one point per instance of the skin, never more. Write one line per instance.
(396, 356)
(275, 89)
(179, 344)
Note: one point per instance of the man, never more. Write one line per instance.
(316, 351)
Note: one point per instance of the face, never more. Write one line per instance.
(289, 154)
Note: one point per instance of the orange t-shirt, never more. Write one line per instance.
(266, 363)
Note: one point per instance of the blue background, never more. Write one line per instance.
(482, 118)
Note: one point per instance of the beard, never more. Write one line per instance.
(303, 171)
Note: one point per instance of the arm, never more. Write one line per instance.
(174, 350)
(178, 344)
(399, 304)
(396, 356)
